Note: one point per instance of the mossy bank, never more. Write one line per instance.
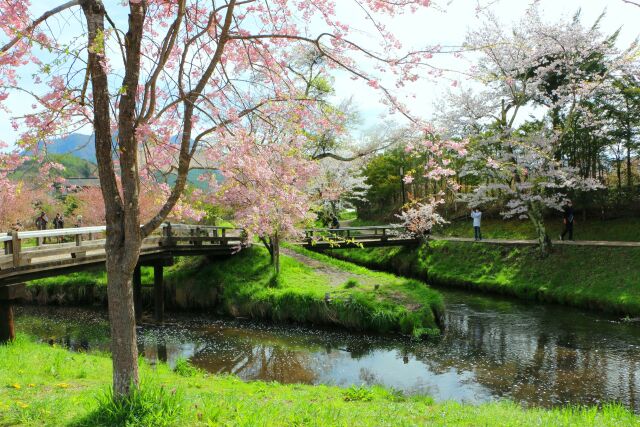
(596, 278)
(43, 385)
(330, 293)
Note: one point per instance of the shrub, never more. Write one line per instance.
(357, 394)
(185, 369)
(351, 283)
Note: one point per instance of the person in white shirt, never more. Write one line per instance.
(477, 216)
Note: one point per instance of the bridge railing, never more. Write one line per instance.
(354, 234)
(23, 248)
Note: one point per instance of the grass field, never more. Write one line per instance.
(599, 278)
(43, 385)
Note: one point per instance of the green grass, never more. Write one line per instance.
(622, 229)
(96, 277)
(381, 302)
(244, 286)
(357, 222)
(600, 278)
(347, 215)
(42, 385)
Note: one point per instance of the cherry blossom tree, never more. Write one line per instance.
(553, 67)
(152, 197)
(9, 189)
(419, 216)
(338, 184)
(524, 174)
(266, 184)
(171, 79)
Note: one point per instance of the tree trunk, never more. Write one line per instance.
(124, 350)
(544, 243)
(121, 211)
(275, 259)
(629, 172)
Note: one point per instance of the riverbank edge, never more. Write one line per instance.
(242, 286)
(420, 263)
(44, 385)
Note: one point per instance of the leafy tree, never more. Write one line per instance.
(181, 68)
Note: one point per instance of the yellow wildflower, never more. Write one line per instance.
(63, 385)
(32, 385)
(16, 386)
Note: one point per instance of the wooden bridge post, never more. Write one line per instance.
(137, 292)
(167, 234)
(15, 248)
(7, 329)
(158, 289)
(8, 293)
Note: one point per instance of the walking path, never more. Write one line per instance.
(336, 276)
(617, 244)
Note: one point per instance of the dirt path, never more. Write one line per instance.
(336, 276)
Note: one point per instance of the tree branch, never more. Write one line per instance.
(34, 24)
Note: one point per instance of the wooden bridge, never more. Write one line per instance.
(358, 237)
(31, 255)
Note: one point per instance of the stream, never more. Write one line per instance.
(493, 348)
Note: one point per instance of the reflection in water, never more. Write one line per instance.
(492, 348)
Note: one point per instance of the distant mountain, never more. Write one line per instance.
(80, 145)
(76, 144)
(74, 167)
(83, 147)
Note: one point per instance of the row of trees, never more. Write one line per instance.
(550, 113)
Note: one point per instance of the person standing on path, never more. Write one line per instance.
(477, 217)
(58, 222)
(41, 223)
(568, 221)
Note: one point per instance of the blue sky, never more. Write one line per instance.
(446, 25)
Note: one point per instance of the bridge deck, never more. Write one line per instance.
(21, 262)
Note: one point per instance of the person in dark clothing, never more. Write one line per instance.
(568, 221)
(42, 221)
(58, 222)
(334, 221)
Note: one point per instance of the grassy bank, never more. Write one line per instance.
(42, 385)
(598, 278)
(621, 229)
(359, 299)
(243, 286)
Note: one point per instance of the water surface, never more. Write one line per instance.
(493, 348)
